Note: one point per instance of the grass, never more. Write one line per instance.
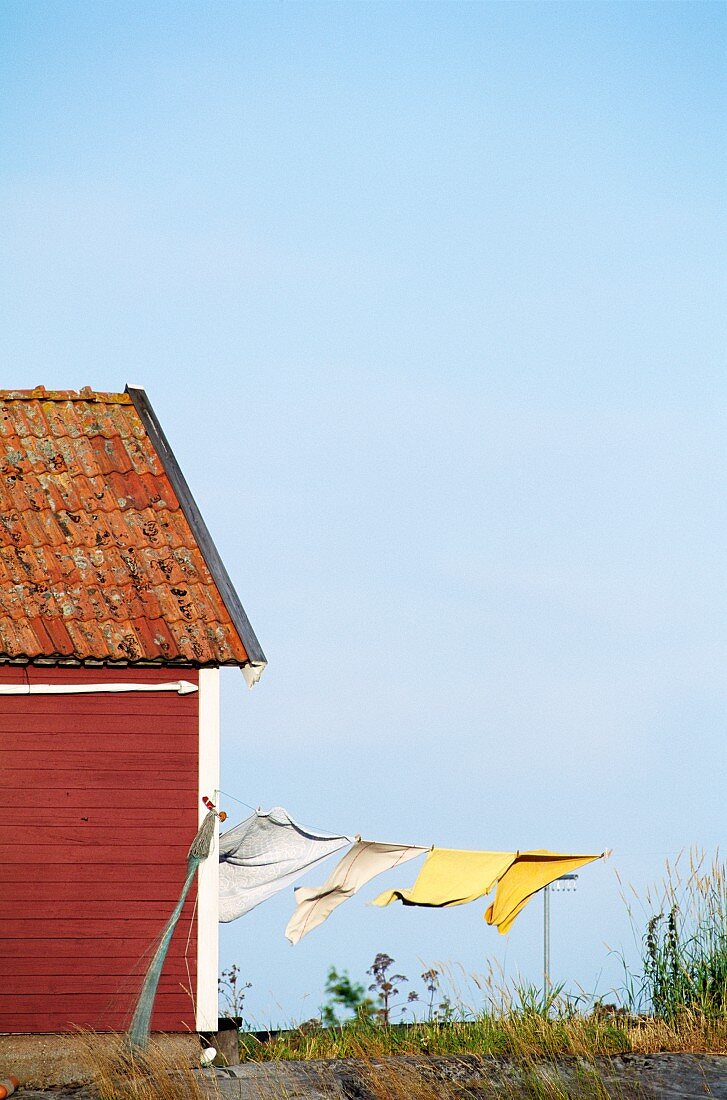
(157, 1073)
(684, 947)
(526, 1056)
(518, 1035)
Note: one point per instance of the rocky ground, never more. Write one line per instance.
(626, 1077)
(646, 1077)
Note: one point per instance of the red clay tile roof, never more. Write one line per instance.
(99, 560)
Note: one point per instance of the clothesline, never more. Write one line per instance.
(269, 851)
(238, 800)
(255, 809)
(643, 851)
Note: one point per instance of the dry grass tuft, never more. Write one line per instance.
(158, 1073)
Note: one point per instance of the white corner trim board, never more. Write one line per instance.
(182, 687)
(208, 876)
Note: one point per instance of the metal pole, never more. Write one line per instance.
(546, 942)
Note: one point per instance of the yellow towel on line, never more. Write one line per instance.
(530, 872)
(452, 876)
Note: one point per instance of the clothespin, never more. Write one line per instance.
(209, 805)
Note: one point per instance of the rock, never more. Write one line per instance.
(468, 1077)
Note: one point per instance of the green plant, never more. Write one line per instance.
(684, 947)
(531, 1000)
(342, 992)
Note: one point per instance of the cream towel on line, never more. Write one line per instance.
(265, 853)
(366, 859)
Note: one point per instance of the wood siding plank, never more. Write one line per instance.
(93, 948)
(110, 873)
(30, 797)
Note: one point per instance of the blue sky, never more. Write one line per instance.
(429, 299)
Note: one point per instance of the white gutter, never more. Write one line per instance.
(182, 687)
(252, 672)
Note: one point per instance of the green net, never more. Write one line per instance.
(140, 1027)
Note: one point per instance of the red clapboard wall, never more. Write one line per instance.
(98, 807)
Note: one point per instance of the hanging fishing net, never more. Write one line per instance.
(140, 1027)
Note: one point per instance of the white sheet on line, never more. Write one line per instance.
(264, 854)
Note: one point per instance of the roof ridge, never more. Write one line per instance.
(40, 393)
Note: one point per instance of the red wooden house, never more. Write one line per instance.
(116, 613)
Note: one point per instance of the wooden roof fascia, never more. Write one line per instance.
(197, 525)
